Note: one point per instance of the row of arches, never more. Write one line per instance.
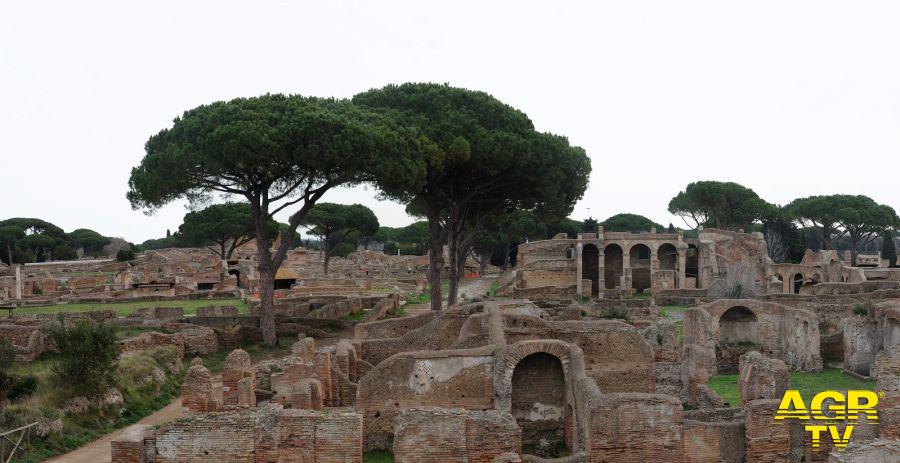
(798, 280)
(639, 256)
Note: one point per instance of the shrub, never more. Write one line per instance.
(87, 356)
(22, 387)
(862, 309)
(125, 255)
(620, 313)
(7, 356)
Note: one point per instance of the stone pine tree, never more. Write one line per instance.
(631, 223)
(337, 224)
(481, 155)
(222, 228)
(724, 205)
(858, 218)
(817, 213)
(888, 248)
(279, 153)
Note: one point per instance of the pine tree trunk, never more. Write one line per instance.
(453, 268)
(436, 257)
(266, 281)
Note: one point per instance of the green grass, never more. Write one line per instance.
(378, 456)
(809, 384)
(667, 310)
(355, 317)
(493, 289)
(215, 361)
(141, 399)
(127, 308)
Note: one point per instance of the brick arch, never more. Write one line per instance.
(511, 356)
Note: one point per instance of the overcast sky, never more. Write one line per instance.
(789, 98)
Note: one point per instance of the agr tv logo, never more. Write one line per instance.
(826, 410)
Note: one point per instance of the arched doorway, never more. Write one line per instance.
(613, 264)
(539, 399)
(737, 336)
(590, 267)
(692, 265)
(639, 257)
(798, 283)
(668, 260)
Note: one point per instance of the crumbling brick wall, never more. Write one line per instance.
(761, 377)
(636, 427)
(255, 436)
(454, 435)
(767, 440)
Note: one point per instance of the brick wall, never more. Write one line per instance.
(258, 436)
(454, 435)
(635, 428)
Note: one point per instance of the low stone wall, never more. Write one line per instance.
(263, 435)
(217, 311)
(546, 293)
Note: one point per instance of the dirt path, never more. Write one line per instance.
(472, 287)
(98, 451)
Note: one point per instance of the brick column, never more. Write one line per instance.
(682, 265)
(578, 257)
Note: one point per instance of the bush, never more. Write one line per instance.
(88, 353)
(22, 387)
(125, 255)
(7, 356)
(620, 313)
(862, 309)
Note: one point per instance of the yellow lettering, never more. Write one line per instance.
(840, 441)
(868, 408)
(792, 406)
(816, 431)
(818, 412)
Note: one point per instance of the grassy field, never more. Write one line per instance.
(809, 384)
(126, 308)
(258, 352)
(378, 456)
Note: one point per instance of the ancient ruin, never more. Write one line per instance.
(541, 371)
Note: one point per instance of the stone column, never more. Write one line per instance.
(654, 267)
(601, 274)
(19, 282)
(624, 283)
(578, 257)
(682, 264)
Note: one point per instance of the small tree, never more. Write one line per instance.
(337, 224)
(88, 352)
(125, 255)
(888, 249)
(590, 225)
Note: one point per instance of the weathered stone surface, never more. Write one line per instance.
(761, 377)
(859, 345)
